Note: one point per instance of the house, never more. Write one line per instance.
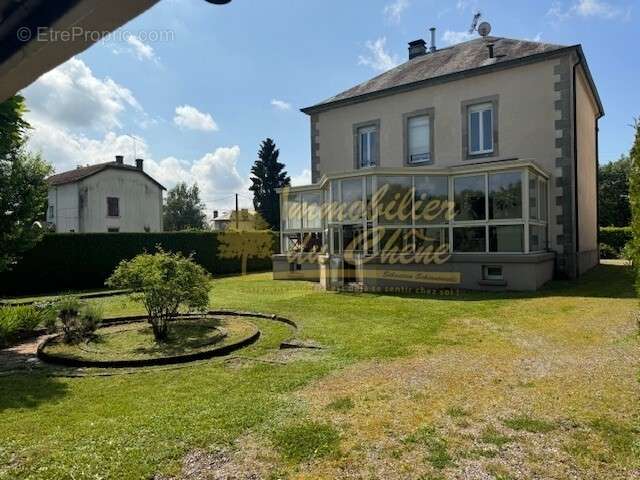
(246, 221)
(471, 166)
(106, 197)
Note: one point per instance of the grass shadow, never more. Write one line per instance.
(29, 389)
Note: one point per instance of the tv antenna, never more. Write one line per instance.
(483, 28)
(474, 22)
(135, 140)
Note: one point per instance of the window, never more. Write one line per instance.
(506, 238)
(367, 146)
(505, 195)
(543, 200)
(492, 272)
(480, 128)
(311, 215)
(397, 240)
(395, 206)
(533, 197)
(469, 239)
(52, 211)
(431, 237)
(418, 138)
(431, 199)
(293, 212)
(113, 229)
(293, 242)
(537, 238)
(352, 199)
(469, 196)
(113, 207)
(312, 242)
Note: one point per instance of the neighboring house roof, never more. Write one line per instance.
(81, 173)
(451, 63)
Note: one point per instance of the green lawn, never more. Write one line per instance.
(509, 385)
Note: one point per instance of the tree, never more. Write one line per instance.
(245, 245)
(23, 190)
(164, 282)
(613, 193)
(268, 174)
(183, 209)
(634, 199)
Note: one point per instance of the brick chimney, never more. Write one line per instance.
(417, 48)
(139, 163)
(119, 159)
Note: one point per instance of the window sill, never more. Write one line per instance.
(492, 283)
(419, 164)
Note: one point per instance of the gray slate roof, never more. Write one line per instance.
(81, 173)
(447, 61)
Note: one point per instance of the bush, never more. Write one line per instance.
(616, 238)
(22, 320)
(79, 320)
(164, 282)
(607, 252)
(80, 261)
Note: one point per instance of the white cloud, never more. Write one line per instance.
(281, 104)
(216, 172)
(466, 5)
(142, 51)
(71, 95)
(304, 178)
(450, 37)
(193, 119)
(537, 38)
(378, 58)
(394, 10)
(587, 9)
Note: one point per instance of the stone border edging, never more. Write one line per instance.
(152, 362)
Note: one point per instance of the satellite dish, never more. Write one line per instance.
(484, 29)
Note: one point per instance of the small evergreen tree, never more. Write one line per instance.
(268, 174)
(183, 209)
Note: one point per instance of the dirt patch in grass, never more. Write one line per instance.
(504, 398)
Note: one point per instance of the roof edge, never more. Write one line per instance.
(105, 167)
(538, 57)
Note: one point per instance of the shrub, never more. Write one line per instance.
(89, 320)
(164, 282)
(615, 239)
(21, 320)
(79, 261)
(79, 320)
(607, 252)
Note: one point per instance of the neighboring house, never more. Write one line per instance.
(246, 221)
(107, 197)
(505, 129)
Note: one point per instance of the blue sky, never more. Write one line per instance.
(200, 86)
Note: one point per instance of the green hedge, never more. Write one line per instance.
(80, 261)
(615, 237)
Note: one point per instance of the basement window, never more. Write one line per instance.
(492, 272)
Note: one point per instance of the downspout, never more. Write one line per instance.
(575, 167)
(598, 188)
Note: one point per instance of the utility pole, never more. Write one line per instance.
(237, 214)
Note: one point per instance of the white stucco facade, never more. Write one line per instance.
(82, 206)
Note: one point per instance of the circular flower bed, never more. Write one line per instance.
(130, 342)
